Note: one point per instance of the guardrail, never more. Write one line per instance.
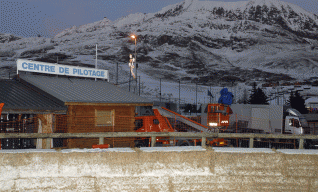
(153, 135)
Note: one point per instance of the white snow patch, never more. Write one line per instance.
(28, 151)
(172, 149)
(97, 150)
(242, 150)
(299, 151)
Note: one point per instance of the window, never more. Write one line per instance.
(294, 122)
(104, 118)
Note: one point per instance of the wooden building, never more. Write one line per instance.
(92, 106)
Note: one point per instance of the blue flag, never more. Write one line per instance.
(210, 94)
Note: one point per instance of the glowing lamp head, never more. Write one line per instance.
(213, 124)
(133, 36)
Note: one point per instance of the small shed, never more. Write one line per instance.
(92, 106)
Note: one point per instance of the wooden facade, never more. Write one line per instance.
(82, 118)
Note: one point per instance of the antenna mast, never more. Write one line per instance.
(96, 60)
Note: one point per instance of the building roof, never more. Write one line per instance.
(70, 89)
(19, 98)
(311, 100)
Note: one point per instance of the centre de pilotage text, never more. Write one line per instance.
(62, 70)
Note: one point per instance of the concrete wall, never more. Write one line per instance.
(154, 169)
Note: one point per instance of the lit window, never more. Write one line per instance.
(104, 118)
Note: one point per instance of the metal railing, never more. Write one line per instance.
(153, 135)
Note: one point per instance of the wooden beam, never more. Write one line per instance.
(153, 134)
(153, 141)
(301, 144)
(101, 140)
(267, 136)
(203, 143)
(109, 104)
(251, 142)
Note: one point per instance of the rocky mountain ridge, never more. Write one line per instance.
(206, 42)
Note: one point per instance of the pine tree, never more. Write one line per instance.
(252, 99)
(262, 97)
(258, 96)
(299, 103)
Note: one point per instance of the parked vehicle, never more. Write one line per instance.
(150, 119)
(249, 118)
(274, 119)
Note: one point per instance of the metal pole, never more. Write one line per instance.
(236, 129)
(179, 95)
(136, 60)
(117, 74)
(235, 95)
(139, 85)
(96, 60)
(160, 92)
(129, 79)
(196, 98)
(283, 98)
(210, 96)
(278, 96)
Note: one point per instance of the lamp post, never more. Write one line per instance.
(135, 38)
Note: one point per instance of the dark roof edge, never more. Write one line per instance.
(104, 103)
(40, 91)
(19, 111)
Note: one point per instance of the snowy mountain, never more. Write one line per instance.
(206, 42)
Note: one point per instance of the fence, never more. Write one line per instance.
(22, 130)
(153, 136)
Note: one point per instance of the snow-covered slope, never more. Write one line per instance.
(206, 42)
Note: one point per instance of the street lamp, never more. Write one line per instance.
(135, 38)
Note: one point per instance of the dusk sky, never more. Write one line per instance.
(48, 17)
